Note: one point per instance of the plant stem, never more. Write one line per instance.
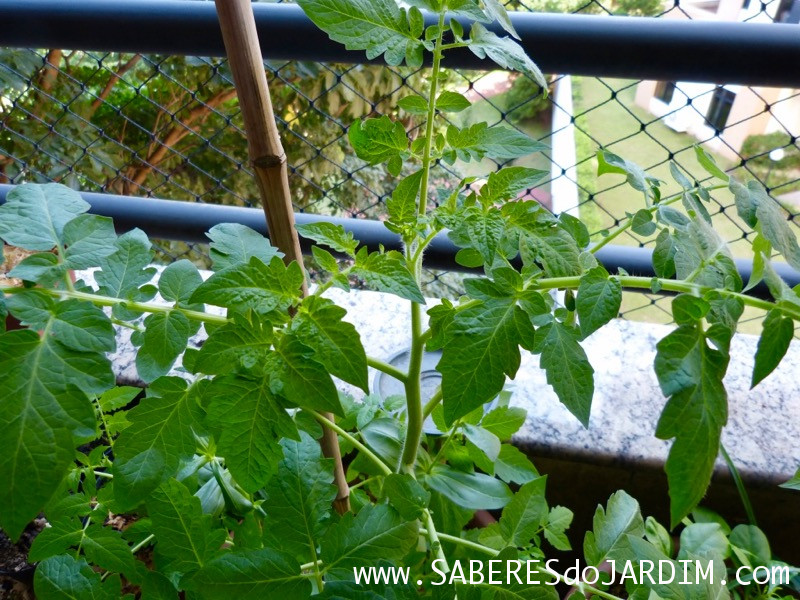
(670, 285)
(737, 479)
(361, 447)
(99, 300)
(426, 153)
(143, 543)
(103, 474)
(413, 393)
(433, 538)
(625, 225)
(414, 259)
(387, 368)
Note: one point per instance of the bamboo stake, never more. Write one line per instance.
(269, 163)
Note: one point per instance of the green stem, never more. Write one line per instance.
(670, 285)
(127, 324)
(625, 225)
(426, 153)
(432, 404)
(737, 479)
(433, 538)
(413, 256)
(387, 368)
(143, 543)
(413, 393)
(446, 441)
(361, 447)
(99, 300)
(103, 474)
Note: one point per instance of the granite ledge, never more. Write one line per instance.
(763, 423)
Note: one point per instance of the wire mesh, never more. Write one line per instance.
(170, 127)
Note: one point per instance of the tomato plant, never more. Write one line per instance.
(217, 474)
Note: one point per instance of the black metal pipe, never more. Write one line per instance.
(189, 221)
(630, 47)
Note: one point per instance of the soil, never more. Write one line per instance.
(16, 575)
(13, 256)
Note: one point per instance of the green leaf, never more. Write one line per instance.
(555, 249)
(250, 575)
(42, 268)
(567, 367)
(89, 239)
(305, 382)
(479, 230)
(638, 178)
(406, 495)
(774, 226)
(184, 535)
(506, 183)
(242, 344)
(504, 421)
(336, 344)
(643, 223)
(377, 26)
(793, 483)
(761, 249)
(700, 249)
(576, 228)
(33, 216)
(473, 491)
(249, 421)
(150, 450)
(776, 335)
(377, 531)
(299, 498)
(513, 466)
(703, 540)
(105, 548)
(452, 102)
(752, 544)
(498, 142)
(44, 414)
(66, 578)
(709, 164)
(558, 521)
(123, 272)
(599, 299)
(387, 272)
(56, 539)
(664, 255)
(495, 11)
(483, 439)
(504, 51)
(402, 205)
(179, 281)
(255, 286)
(234, 244)
(331, 235)
(415, 105)
(690, 372)
(525, 514)
(481, 349)
(165, 337)
(378, 140)
(611, 526)
(76, 324)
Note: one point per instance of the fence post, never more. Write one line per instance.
(269, 164)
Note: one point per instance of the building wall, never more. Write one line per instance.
(754, 111)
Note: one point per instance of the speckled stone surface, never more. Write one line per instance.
(763, 425)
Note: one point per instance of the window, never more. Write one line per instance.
(664, 91)
(720, 109)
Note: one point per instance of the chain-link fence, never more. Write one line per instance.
(170, 127)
